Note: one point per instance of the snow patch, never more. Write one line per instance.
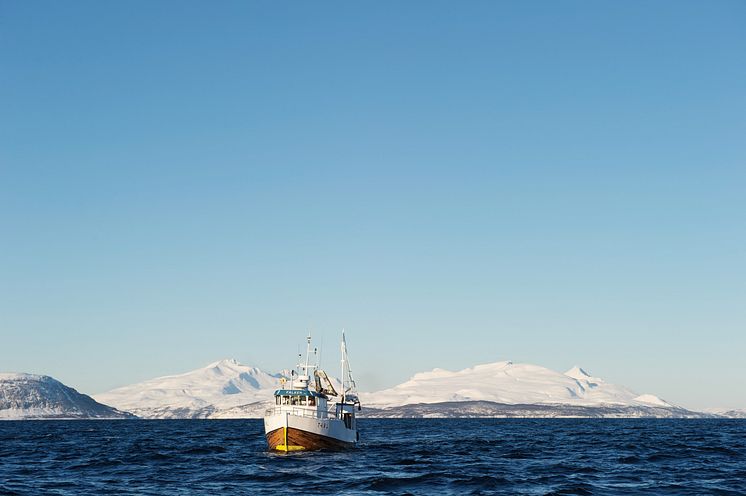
(651, 399)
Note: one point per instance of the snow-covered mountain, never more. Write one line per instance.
(728, 413)
(228, 389)
(510, 383)
(740, 413)
(490, 409)
(28, 396)
(222, 389)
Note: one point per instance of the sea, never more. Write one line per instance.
(396, 456)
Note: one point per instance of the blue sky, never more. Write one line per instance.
(455, 183)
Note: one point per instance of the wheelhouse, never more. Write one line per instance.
(299, 397)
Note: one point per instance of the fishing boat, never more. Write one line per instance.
(309, 413)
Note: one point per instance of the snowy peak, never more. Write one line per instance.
(226, 365)
(237, 373)
(437, 373)
(220, 385)
(226, 362)
(578, 373)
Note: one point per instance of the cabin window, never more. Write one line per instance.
(286, 400)
(277, 400)
(311, 401)
(294, 400)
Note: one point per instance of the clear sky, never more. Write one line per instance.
(454, 183)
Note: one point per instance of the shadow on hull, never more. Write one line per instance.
(298, 440)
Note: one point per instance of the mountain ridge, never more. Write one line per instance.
(199, 393)
(31, 396)
(506, 382)
(228, 389)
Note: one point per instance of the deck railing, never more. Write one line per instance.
(301, 412)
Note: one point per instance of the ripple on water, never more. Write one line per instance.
(398, 456)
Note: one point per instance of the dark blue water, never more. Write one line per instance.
(412, 456)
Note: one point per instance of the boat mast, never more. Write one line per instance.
(305, 377)
(308, 351)
(343, 349)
